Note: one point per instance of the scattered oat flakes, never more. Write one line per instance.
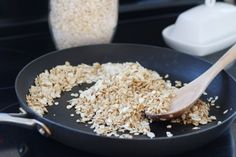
(151, 134)
(204, 93)
(213, 117)
(178, 84)
(225, 111)
(196, 128)
(72, 115)
(162, 119)
(166, 76)
(56, 103)
(168, 81)
(126, 136)
(169, 134)
(212, 104)
(169, 126)
(219, 122)
(74, 94)
(210, 99)
(213, 101)
(69, 107)
(136, 133)
(217, 106)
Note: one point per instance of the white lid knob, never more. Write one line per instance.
(210, 3)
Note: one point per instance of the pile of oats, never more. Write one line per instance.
(196, 115)
(115, 104)
(50, 84)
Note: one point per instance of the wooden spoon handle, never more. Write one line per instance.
(216, 68)
(226, 59)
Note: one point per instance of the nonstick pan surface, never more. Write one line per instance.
(179, 66)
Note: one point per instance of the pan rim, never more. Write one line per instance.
(41, 118)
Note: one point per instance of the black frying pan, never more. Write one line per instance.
(179, 66)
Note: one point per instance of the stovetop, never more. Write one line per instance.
(18, 47)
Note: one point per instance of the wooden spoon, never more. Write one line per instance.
(187, 95)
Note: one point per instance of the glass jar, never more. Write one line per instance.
(82, 22)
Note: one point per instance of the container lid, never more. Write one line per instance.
(203, 27)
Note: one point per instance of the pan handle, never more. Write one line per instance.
(18, 119)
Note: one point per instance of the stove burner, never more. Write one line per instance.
(11, 63)
(16, 141)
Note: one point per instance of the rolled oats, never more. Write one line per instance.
(169, 126)
(226, 111)
(196, 128)
(151, 134)
(196, 115)
(115, 104)
(169, 134)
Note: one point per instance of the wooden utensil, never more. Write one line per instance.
(187, 95)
